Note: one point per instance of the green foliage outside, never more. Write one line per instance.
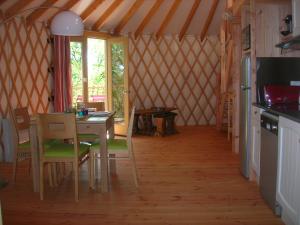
(96, 67)
(118, 79)
(76, 64)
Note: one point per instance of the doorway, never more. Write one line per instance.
(100, 74)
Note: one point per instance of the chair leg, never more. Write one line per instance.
(96, 166)
(50, 176)
(92, 175)
(89, 162)
(54, 174)
(15, 164)
(76, 174)
(29, 166)
(134, 170)
(41, 180)
(112, 164)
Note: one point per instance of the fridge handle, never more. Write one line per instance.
(244, 88)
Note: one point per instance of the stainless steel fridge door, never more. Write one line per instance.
(245, 116)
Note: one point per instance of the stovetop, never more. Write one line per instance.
(285, 107)
(288, 110)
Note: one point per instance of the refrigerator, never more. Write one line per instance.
(245, 116)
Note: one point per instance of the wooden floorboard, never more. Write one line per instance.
(188, 178)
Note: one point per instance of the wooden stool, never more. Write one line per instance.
(136, 129)
(148, 128)
(165, 123)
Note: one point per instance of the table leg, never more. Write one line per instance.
(34, 158)
(112, 163)
(104, 162)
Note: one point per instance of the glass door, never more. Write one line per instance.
(96, 70)
(117, 82)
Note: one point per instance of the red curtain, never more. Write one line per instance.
(62, 74)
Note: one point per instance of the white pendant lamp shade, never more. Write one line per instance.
(67, 23)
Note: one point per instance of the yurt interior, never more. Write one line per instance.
(150, 112)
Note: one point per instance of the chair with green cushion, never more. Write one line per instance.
(99, 106)
(87, 137)
(116, 148)
(60, 126)
(22, 151)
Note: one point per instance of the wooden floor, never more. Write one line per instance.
(188, 178)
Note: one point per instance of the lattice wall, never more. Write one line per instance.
(172, 73)
(25, 57)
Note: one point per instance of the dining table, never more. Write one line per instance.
(99, 123)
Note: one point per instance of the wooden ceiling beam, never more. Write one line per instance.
(107, 14)
(2, 1)
(128, 15)
(148, 17)
(39, 12)
(209, 18)
(17, 7)
(66, 6)
(189, 19)
(90, 9)
(167, 18)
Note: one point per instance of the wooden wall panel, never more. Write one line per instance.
(25, 57)
(167, 72)
(268, 21)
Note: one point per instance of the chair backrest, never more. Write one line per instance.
(100, 106)
(130, 125)
(21, 120)
(57, 126)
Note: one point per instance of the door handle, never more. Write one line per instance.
(243, 87)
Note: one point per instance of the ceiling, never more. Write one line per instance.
(159, 17)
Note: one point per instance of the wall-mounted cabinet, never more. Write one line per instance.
(269, 19)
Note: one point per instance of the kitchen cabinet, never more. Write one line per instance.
(288, 180)
(255, 144)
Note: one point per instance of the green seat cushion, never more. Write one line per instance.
(63, 150)
(24, 144)
(49, 142)
(52, 141)
(92, 136)
(113, 144)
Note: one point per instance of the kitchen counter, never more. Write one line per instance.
(290, 111)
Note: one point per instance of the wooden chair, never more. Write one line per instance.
(230, 101)
(115, 147)
(99, 106)
(60, 127)
(22, 122)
